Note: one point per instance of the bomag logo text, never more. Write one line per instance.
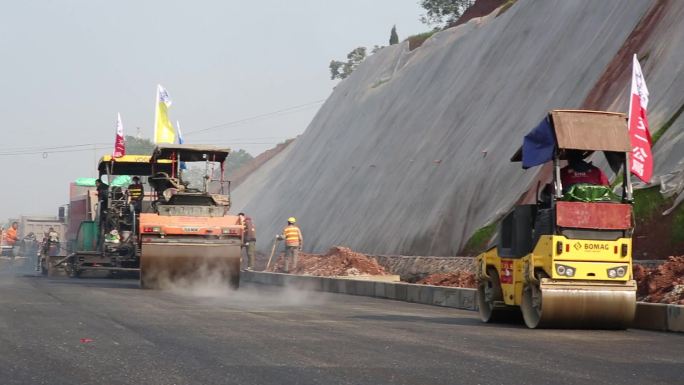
(595, 247)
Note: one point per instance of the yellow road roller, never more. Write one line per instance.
(566, 260)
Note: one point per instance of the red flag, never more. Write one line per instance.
(641, 158)
(119, 144)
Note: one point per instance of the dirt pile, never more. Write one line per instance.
(457, 279)
(338, 261)
(663, 284)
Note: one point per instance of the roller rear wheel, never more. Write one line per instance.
(490, 300)
(531, 305)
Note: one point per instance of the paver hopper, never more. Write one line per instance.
(190, 236)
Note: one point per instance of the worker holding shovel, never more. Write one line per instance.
(293, 243)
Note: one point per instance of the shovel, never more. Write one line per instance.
(275, 241)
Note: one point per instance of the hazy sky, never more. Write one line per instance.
(68, 66)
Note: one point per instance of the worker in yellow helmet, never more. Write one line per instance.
(293, 243)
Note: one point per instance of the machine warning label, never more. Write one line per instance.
(506, 272)
(591, 246)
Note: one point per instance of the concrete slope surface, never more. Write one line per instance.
(658, 41)
(410, 155)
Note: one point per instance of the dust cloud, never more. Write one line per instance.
(212, 286)
(11, 267)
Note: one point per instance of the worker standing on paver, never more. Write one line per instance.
(136, 193)
(293, 243)
(103, 199)
(51, 243)
(248, 239)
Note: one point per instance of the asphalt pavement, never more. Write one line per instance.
(107, 331)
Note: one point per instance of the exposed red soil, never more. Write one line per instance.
(663, 284)
(338, 261)
(479, 9)
(457, 279)
(617, 74)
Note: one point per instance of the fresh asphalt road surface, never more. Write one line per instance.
(99, 331)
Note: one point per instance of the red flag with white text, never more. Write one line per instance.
(641, 157)
(119, 144)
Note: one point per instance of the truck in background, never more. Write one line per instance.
(82, 207)
(33, 240)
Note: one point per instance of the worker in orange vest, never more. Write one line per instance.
(9, 237)
(293, 243)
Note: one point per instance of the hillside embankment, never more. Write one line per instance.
(410, 154)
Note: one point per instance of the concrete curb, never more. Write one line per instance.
(454, 297)
(649, 316)
(658, 316)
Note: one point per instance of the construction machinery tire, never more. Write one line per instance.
(531, 306)
(72, 270)
(490, 300)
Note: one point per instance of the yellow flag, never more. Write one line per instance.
(163, 129)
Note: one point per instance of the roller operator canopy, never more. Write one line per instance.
(132, 165)
(586, 131)
(190, 153)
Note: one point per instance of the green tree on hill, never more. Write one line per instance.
(441, 13)
(237, 159)
(138, 146)
(342, 70)
(394, 38)
(195, 172)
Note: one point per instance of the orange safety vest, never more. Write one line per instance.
(9, 238)
(292, 235)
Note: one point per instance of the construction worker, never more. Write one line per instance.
(9, 236)
(103, 198)
(51, 242)
(579, 171)
(9, 239)
(136, 193)
(293, 243)
(248, 239)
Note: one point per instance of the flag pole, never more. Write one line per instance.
(628, 172)
(156, 114)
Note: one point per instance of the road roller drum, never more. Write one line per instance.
(554, 304)
(170, 264)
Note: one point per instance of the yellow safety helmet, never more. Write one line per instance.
(292, 219)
